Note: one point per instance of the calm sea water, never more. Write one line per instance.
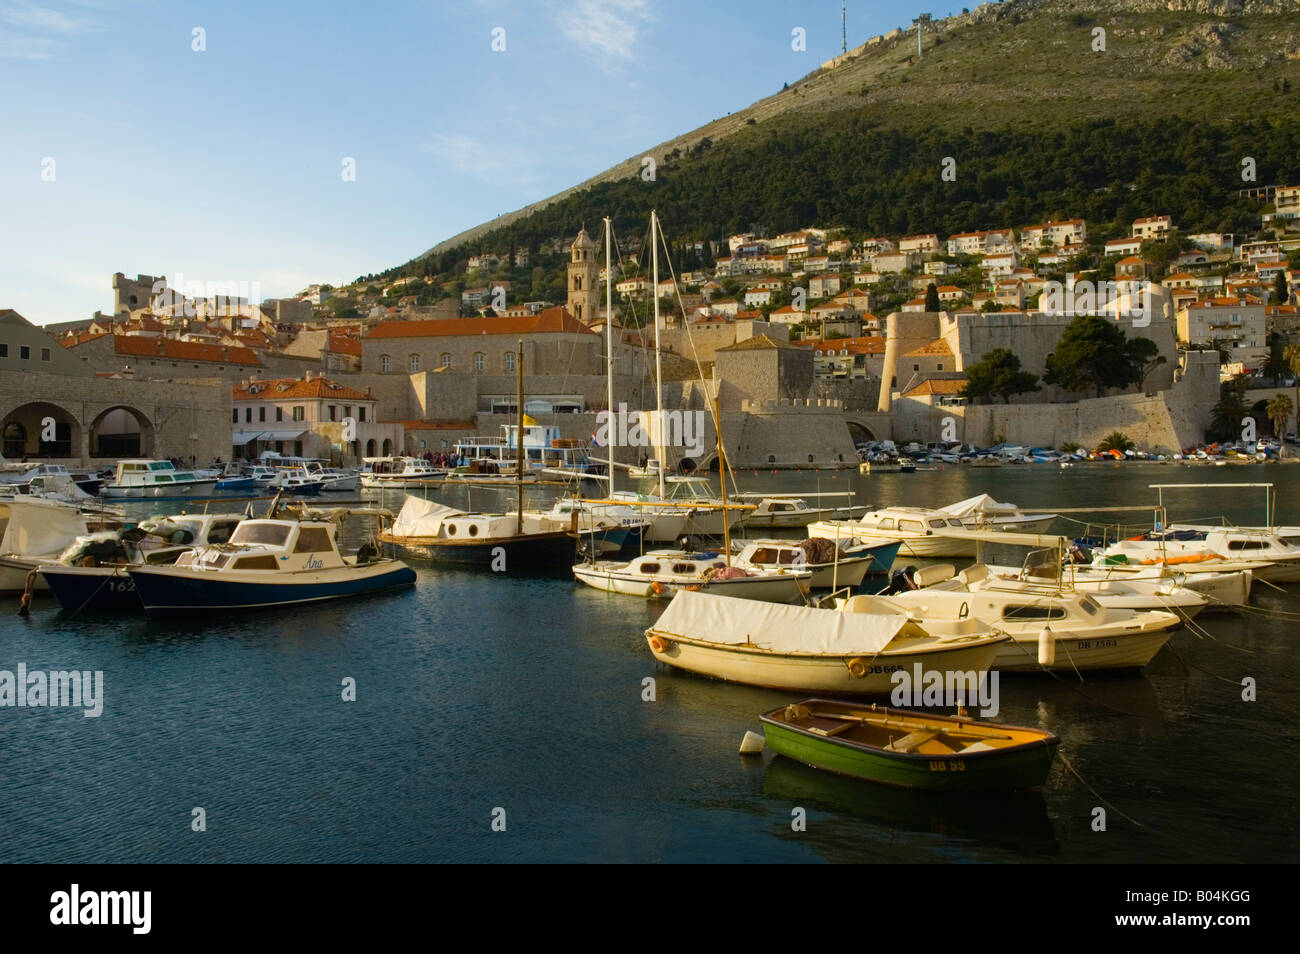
(478, 691)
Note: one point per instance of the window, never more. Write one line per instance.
(479, 358)
(4, 351)
(446, 360)
(413, 363)
(509, 362)
(269, 533)
(332, 410)
(347, 410)
(45, 354)
(361, 413)
(649, 568)
(385, 363)
(234, 416)
(261, 414)
(279, 414)
(298, 413)
(313, 540)
(248, 415)
(24, 352)
(1034, 612)
(914, 525)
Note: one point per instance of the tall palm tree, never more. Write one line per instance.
(1279, 412)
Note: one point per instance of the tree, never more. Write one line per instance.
(1116, 440)
(1094, 353)
(1145, 356)
(1276, 364)
(931, 297)
(1291, 354)
(1281, 291)
(1279, 412)
(1226, 416)
(998, 374)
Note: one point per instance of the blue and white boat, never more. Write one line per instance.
(271, 562)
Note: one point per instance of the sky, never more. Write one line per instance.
(210, 141)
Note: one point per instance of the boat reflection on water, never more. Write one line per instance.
(867, 817)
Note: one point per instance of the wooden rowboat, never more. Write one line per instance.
(910, 749)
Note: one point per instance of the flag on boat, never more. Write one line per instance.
(596, 440)
(529, 422)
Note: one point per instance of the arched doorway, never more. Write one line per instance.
(40, 430)
(860, 433)
(120, 432)
(370, 448)
(388, 447)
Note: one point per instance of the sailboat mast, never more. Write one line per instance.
(611, 429)
(519, 441)
(722, 479)
(659, 374)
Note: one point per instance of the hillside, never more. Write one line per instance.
(1013, 91)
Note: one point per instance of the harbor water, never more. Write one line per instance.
(519, 717)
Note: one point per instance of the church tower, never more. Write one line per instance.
(584, 280)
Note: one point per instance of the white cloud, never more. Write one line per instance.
(31, 16)
(608, 28)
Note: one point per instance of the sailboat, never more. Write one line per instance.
(435, 532)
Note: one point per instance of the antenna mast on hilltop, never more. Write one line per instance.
(844, 30)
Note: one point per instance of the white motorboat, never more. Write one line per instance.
(156, 479)
(789, 510)
(830, 565)
(1085, 634)
(1115, 592)
(855, 649)
(920, 529)
(399, 472)
(983, 512)
(1220, 548)
(665, 572)
(35, 531)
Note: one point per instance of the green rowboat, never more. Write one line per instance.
(910, 749)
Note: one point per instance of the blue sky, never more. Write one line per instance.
(225, 164)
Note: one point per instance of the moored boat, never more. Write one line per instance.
(852, 650)
(910, 749)
(665, 572)
(268, 563)
(156, 479)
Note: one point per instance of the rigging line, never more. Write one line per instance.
(1072, 687)
(1097, 795)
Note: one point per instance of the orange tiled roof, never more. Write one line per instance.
(169, 349)
(274, 389)
(343, 344)
(548, 321)
(939, 386)
(935, 348)
(867, 344)
(71, 341)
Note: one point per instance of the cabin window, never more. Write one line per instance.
(914, 525)
(649, 568)
(272, 534)
(887, 523)
(313, 540)
(220, 532)
(782, 507)
(685, 569)
(763, 555)
(1247, 545)
(1290, 541)
(936, 524)
(263, 562)
(1033, 612)
(473, 529)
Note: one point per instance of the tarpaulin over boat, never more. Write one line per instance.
(422, 518)
(777, 627)
(982, 503)
(39, 527)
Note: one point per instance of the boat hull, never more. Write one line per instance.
(96, 589)
(1101, 649)
(807, 673)
(13, 575)
(764, 589)
(536, 550)
(165, 590)
(1018, 768)
(193, 488)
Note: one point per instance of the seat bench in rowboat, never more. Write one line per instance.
(910, 749)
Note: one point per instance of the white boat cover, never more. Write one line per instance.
(422, 518)
(40, 527)
(980, 504)
(777, 627)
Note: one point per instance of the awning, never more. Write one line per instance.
(243, 437)
(247, 437)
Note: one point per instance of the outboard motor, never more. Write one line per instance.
(901, 581)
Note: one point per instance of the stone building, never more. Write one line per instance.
(584, 280)
(311, 416)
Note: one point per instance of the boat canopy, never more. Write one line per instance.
(981, 503)
(39, 526)
(1009, 538)
(777, 627)
(422, 518)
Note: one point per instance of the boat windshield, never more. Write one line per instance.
(271, 534)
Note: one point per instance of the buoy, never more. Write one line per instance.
(857, 668)
(657, 644)
(751, 744)
(1046, 647)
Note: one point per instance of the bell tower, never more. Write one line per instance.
(584, 280)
